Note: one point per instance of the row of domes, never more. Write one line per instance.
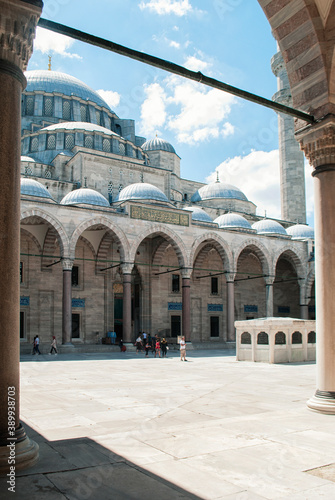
(145, 191)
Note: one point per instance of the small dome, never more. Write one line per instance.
(85, 196)
(233, 221)
(218, 190)
(198, 214)
(158, 144)
(269, 227)
(56, 82)
(301, 232)
(30, 187)
(141, 191)
(27, 158)
(87, 127)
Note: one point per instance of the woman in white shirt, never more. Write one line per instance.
(182, 345)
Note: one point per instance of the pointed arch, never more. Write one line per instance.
(214, 241)
(258, 249)
(167, 234)
(294, 257)
(103, 223)
(52, 222)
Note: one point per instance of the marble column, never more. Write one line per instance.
(230, 308)
(17, 29)
(67, 302)
(186, 301)
(269, 297)
(127, 333)
(303, 301)
(318, 143)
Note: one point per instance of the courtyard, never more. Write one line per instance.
(122, 426)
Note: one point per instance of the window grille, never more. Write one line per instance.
(245, 338)
(34, 144)
(83, 113)
(48, 106)
(30, 104)
(51, 142)
(66, 110)
(122, 149)
(69, 141)
(89, 142)
(106, 145)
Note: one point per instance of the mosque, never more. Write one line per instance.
(113, 238)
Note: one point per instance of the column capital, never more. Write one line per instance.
(186, 272)
(127, 267)
(318, 144)
(17, 31)
(269, 280)
(67, 264)
(230, 276)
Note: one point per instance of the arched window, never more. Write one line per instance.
(280, 338)
(34, 144)
(122, 149)
(263, 338)
(48, 106)
(110, 187)
(66, 110)
(245, 338)
(106, 145)
(98, 116)
(51, 142)
(89, 141)
(296, 338)
(47, 173)
(30, 104)
(82, 113)
(120, 187)
(311, 338)
(69, 141)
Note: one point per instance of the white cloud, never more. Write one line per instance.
(202, 113)
(227, 129)
(258, 177)
(47, 42)
(153, 112)
(175, 45)
(195, 64)
(112, 98)
(162, 7)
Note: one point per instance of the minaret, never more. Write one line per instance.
(292, 172)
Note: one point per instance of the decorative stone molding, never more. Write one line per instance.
(127, 267)
(186, 272)
(67, 264)
(318, 144)
(18, 20)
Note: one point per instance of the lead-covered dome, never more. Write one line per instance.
(199, 215)
(158, 144)
(85, 196)
(301, 232)
(233, 221)
(141, 191)
(86, 126)
(56, 82)
(30, 187)
(217, 190)
(269, 227)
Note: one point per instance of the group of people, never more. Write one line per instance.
(145, 342)
(36, 345)
(158, 346)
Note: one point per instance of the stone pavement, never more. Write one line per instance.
(119, 426)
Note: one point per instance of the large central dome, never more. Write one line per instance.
(54, 81)
(218, 190)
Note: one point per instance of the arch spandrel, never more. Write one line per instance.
(53, 223)
(168, 234)
(218, 243)
(260, 251)
(305, 34)
(118, 234)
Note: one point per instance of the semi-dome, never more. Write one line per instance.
(198, 214)
(85, 196)
(56, 82)
(30, 187)
(27, 158)
(269, 227)
(158, 144)
(301, 232)
(86, 126)
(141, 191)
(233, 221)
(217, 190)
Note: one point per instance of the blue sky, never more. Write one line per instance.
(229, 40)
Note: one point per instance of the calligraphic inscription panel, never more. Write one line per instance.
(154, 215)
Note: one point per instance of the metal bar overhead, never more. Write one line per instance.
(172, 68)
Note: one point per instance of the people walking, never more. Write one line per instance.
(53, 346)
(158, 347)
(37, 345)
